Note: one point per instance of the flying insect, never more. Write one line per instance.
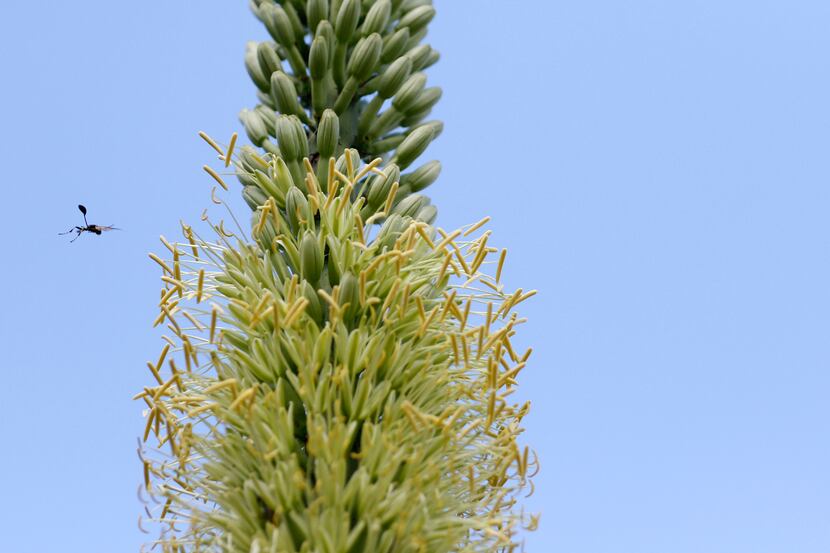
(95, 229)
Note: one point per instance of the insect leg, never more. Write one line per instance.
(73, 229)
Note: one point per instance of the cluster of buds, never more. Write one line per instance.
(361, 404)
(345, 74)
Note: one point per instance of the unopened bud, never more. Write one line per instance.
(418, 18)
(328, 133)
(318, 58)
(413, 146)
(254, 196)
(410, 205)
(365, 57)
(379, 186)
(333, 261)
(427, 214)
(284, 94)
(425, 100)
(393, 77)
(314, 309)
(291, 138)
(431, 59)
(419, 55)
(377, 18)
(423, 176)
(278, 24)
(311, 258)
(394, 45)
(346, 21)
(254, 126)
(409, 91)
(297, 209)
(254, 70)
(269, 61)
(349, 295)
(391, 230)
(316, 11)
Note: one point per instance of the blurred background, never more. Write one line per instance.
(658, 170)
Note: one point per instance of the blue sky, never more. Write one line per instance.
(658, 170)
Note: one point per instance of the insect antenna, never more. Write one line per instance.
(83, 210)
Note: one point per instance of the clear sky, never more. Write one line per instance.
(658, 170)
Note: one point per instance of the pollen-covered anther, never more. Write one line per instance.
(215, 176)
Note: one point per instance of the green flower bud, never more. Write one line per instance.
(422, 177)
(283, 179)
(269, 61)
(413, 146)
(300, 136)
(349, 294)
(294, 17)
(409, 92)
(265, 98)
(340, 164)
(325, 30)
(410, 205)
(427, 214)
(284, 94)
(431, 59)
(391, 230)
(394, 45)
(268, 116)
(254, 196)
(414, 118)
(254, 126)
(419, 55)
(254, 70)
(289, 140)
(297, 209)
(388, 142)
(424, 102)
(316, 11)
(379, 186)
(346, 22)
(311, 258)
(245, 178)
(409, 5)
(417, 18)
(333, 263)
(377, 18)
(365, 57)
(393, 77)
(436, 126)
(318, 58)
(314, 307)
(328, 133)
(278, 24)
(250, 159)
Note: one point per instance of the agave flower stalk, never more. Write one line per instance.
(337, 376)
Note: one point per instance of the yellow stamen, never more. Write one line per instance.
(200, 285)
(502, 256)
(158, 260)
(447, 238)
(229, 154)
(372, 164)
(210, 141)
(390, 197)
(476, 226)
(215, 176)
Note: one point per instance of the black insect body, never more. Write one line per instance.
(95, 229)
